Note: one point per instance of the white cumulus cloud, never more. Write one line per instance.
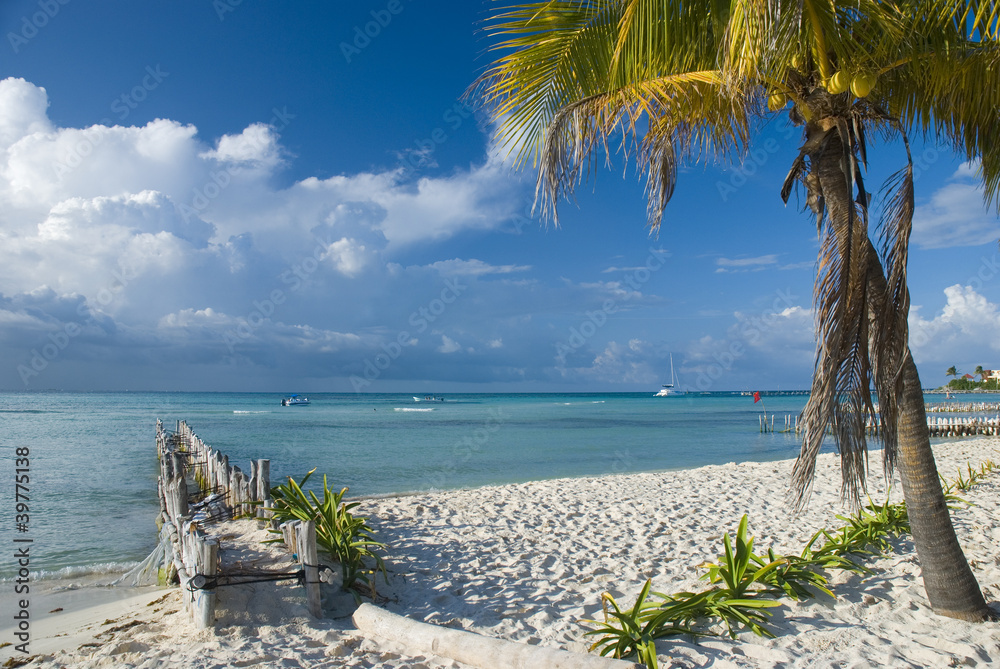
(965, 331)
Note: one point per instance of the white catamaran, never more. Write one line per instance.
(668, 389)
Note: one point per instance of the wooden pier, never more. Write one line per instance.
(198, 488)
(938, 426)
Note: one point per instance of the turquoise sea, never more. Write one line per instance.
(92, 480)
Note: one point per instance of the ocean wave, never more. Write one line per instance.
(411, 409)
(80, 571)
(251, 412)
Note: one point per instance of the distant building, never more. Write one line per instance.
(991, 374)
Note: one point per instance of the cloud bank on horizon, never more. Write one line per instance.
(149, 257)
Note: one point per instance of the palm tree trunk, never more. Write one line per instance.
(951, 588)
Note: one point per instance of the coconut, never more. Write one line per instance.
(777, 101)
(863, 84)
(839, 82)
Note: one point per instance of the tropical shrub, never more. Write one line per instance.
(347, 539)
(633, 632)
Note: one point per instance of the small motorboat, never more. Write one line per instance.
(428, 398)
(295, 401)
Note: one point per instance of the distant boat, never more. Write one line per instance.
(295, 401)
(668, 388)
(428, 398)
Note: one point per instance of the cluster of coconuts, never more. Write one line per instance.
(860, 85)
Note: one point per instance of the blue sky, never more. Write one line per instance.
(251, 196)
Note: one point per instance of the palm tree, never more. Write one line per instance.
(979, 372)
(952, 371)
(675, 81)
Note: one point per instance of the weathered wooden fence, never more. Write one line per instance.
(939, 426)
(964, 407)
(944, 426)
(198, 487)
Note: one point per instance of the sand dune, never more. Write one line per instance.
(527, 562)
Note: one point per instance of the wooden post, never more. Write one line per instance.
(182, 497)
(224, 478)
(205, 600)
(268, 515)
(177, 464)
(288, 532)
(263, 482)
(309, 559)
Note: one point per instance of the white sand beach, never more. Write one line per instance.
(527, 562)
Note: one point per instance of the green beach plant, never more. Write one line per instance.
(290, 502)
(794, 576)
(833, 553)
(872, 526)
(718, 604)
(791, 576)
(632, 632)
(740, 580)
(964, 484)
(951, 499)
(347, 539)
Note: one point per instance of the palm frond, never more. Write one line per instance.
(840, 399)
(890, 345)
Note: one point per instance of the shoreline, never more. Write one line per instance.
(526, 562)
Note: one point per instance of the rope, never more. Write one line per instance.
(202, 582)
